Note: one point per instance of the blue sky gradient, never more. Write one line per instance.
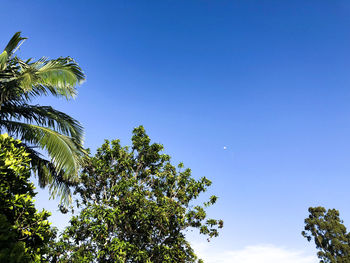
(269, 80)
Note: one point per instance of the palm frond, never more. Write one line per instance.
(9, 49)
(58, 77)
(65, 152)
(44, 116)
(47, 175)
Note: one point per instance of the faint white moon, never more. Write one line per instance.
(225, 147)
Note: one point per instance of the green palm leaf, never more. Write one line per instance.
(47, 175)
(44, 116)
(64, 151)
(9, 49)
(58, 77)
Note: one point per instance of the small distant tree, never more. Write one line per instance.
(330, 235)
(135, 206)
(24, 232)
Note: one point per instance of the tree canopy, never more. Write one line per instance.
(329, 234)
(135, 206)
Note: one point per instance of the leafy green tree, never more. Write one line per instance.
(24, 232)
(330, 235)
(135, 206)
(42, 126)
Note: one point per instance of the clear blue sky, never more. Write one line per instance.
(270, 80)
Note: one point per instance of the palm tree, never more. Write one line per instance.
(42, 127)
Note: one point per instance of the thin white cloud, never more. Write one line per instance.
(254, 254)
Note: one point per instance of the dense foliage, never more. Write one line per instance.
(330, 235)
(135, 206)
(24, 232)
(42, 126)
